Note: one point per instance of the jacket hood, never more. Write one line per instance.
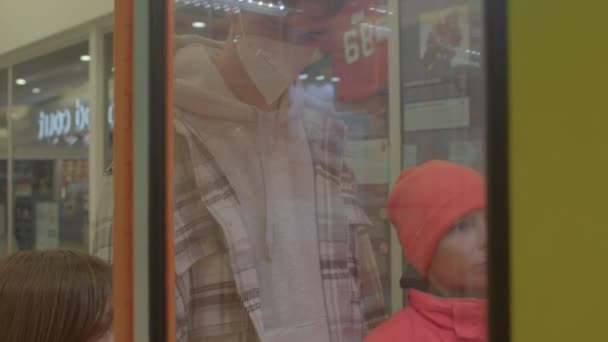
(199, 88)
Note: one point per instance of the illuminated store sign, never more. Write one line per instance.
(70, 121)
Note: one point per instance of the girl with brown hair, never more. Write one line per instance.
(55, 296)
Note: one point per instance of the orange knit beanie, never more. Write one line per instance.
(426, 201)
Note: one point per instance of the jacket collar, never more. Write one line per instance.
(466, 317)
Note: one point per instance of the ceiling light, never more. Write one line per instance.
(199, 25)
(36, 90)
(303, 77)
(20, 81)
(320, 78)
(335, 79)
(85, 58)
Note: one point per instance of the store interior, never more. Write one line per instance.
(441, 95)
(439, 107)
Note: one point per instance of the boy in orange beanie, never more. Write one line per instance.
(438, 210)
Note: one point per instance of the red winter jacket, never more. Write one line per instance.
(433, 319)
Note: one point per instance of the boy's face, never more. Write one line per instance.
(459, 266)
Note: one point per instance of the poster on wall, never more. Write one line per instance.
(438, 53)
(47, 225)
(445, 39)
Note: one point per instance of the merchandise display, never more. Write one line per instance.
(284, 192)
(267, 209)
(305, 170)
(283, 158)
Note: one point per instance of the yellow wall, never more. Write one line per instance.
(559, 169)
(23, 22)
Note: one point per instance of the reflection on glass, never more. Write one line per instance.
(443, 86)
(3, 161)
(51, 135)
(281, 169)
(437, 205)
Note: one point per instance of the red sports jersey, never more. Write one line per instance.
(358, 42)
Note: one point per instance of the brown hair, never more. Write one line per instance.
(54, 296)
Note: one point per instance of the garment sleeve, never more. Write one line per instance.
(197, 235)
(365, 270)
(208, 304)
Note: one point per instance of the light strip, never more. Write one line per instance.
(257, 6)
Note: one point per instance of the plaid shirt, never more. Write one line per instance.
(218, 295)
